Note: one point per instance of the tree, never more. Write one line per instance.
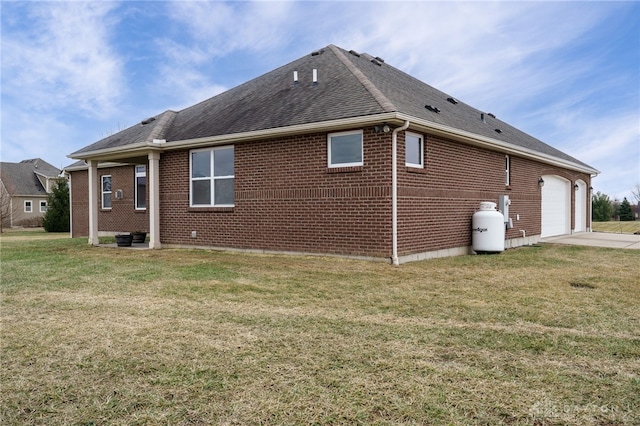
(625, 211)
(601, 207)
(635, 191)
(56, 219)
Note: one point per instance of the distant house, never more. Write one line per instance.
(24, 188)
(334, 153)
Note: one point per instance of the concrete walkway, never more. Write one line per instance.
(597, 239)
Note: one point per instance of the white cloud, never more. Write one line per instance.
(61, 58)
(220, 28)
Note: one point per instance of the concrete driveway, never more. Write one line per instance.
(597, 239)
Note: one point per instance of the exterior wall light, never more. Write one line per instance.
(385, 128)
(576, 187)
(540, 182)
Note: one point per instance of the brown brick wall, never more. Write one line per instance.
(79, 186)
(122, 217)
(286, 199)
(435, 205)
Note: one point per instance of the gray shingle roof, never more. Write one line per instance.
(349, 85)
(21, 178)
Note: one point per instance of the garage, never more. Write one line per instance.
(556, 206)
(580, 222)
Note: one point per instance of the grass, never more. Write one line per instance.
(544, 335)
(617, 227)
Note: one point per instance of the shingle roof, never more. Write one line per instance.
(349, 85)
(145, 131)
(21, 178)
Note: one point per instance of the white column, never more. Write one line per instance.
(93, 203)
(154, 200)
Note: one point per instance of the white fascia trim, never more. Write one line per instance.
(321, 126)
(143, 148)
(494, 144)
(100, 166)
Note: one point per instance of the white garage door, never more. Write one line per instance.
(581, 207)
(556, 206)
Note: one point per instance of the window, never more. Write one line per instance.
(212, 177)
(28, 206)
(345, 149)
(414, 150)
(106, 192)
(141, 187)
(507, 170)
(43, 206)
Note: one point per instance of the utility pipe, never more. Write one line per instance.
(394, 191)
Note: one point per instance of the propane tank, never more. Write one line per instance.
(487, 229)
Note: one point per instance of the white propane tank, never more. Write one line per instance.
(487, 225)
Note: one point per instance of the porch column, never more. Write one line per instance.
(154, 200)
(93, 202)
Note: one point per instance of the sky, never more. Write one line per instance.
(567, 73)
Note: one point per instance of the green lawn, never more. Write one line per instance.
(544, 335)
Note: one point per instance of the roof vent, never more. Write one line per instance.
(376, 62)
(295, 76)
(453, 100)
(354, 53)
(317, 52)
(482, 117)
(432, 108)
(379, 59)
(498, 131)
(491, 115)
(148, 120)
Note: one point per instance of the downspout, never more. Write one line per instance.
(394, 191)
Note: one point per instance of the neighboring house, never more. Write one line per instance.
(334, 153)
(24, 188)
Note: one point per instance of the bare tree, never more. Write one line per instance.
(635, 191)
(5, 208)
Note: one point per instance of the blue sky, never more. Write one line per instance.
(567, 73)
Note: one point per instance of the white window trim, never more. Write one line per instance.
(212, 178)
(507, 164)
(43, 203)
(415, 165)
(354, 164)
(103, 192)
(30, 208)
(135, 185)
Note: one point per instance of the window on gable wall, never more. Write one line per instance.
(28, 206)
(141, 187)
(212, 177)
(507, 171)
(43, 206)
(414, 150)
(106, 191)
(344, 149)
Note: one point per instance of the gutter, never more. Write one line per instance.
(142, 148)
(394, 191)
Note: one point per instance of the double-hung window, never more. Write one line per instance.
(43, 206)
(345, 149)
(212, 177)
(141, 187)
(414, 150)
(28, 206)
(106, 191)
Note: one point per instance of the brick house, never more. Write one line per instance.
(334, 153)
(24, 190)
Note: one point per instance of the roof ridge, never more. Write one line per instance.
(382, 100)
(161, 126)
